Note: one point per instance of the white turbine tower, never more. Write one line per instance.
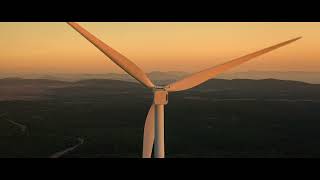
(154, 126)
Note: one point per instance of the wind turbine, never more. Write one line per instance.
(153, 137)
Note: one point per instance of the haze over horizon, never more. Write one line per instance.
(46, 48)
(158, 76)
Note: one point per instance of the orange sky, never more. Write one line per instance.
(56, 47)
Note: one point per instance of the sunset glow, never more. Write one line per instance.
(55, 47)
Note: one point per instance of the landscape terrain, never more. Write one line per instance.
(96, 118)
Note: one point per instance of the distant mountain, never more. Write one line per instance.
(156, 76)
(30, 82)
(167, 77)
(309, 77)
(28, 89)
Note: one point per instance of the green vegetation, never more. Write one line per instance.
(221, 118)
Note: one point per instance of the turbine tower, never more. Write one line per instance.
(153, 137)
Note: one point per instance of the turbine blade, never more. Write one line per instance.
(202, 76)
(148, 134)
(115, 56)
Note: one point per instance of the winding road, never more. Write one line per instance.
(22, 127)
(61, 153)
(24, 130)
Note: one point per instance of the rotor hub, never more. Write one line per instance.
(160, 95)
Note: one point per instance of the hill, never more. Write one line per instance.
(221, 118)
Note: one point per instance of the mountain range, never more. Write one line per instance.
(166, 77)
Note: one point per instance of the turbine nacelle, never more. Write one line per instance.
(160, 95)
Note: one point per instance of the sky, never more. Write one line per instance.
(47, 47)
